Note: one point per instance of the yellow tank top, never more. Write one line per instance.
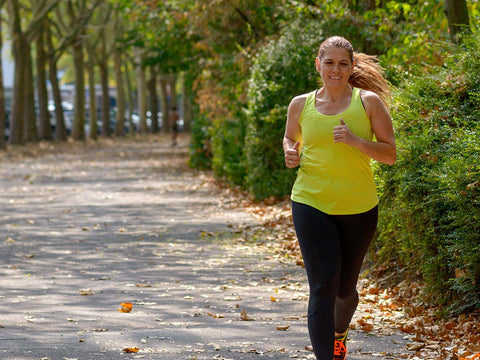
(334, 178)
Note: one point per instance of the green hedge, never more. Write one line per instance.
(218, 132)
(228, 137)
(284, 68)
(430, 200)
(200, 147)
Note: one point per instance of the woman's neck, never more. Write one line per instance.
(333, 96)
(332, 101)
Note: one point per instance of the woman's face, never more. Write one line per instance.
(335, 67)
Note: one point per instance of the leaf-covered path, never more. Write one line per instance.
(85, 228)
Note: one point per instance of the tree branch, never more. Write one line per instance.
(247, 20)
(45, 8)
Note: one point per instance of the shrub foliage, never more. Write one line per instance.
(430, 216)
(283, 68)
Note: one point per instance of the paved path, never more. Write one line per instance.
(84, 230)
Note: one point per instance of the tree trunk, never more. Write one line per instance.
(152, 92)
(142, 97)
(3, 116)
(92, 96)
(30, 116)
(369, 5)
(457, 16)
(78, 128)
(162, 84)
(105, 99)
(45, 128)
(130, 98)
(19, 54)
(186, 106)
(120, 120)
(60, 130)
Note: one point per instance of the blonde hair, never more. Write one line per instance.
(367, 72)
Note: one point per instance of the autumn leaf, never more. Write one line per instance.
(415, 346)
(85, 292)
(283, 327)
(143, 285)
(364, 325)
(459, 273)
(125, 307)
(244, 316)
(131, 350)
(216, 316)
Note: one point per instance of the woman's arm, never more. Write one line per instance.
(293, 132)
(384, 148)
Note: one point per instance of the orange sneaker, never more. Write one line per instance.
(339, 351)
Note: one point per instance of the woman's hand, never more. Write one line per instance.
(343, 134)
(292, 157)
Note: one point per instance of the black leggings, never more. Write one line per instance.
(333, 248)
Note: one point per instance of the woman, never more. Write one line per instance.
(334, 200)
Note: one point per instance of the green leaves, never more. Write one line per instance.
(430, 209)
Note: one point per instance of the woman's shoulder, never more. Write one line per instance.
(370, 96)
(372, 102)
(300, 100)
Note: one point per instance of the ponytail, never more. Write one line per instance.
(369, 75)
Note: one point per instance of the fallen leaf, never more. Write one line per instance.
(415, 346)
(85, 292)
(125, 307)
(143, 285)
(364, 325)
(244, 316)
(216, 316)
(131, 350)
(283, 327)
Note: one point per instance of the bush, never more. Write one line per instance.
(220, 126)
(200, 147)
(284, 68)
(228, 138)
(430, 208)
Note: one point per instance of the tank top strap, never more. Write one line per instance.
(308, 103)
